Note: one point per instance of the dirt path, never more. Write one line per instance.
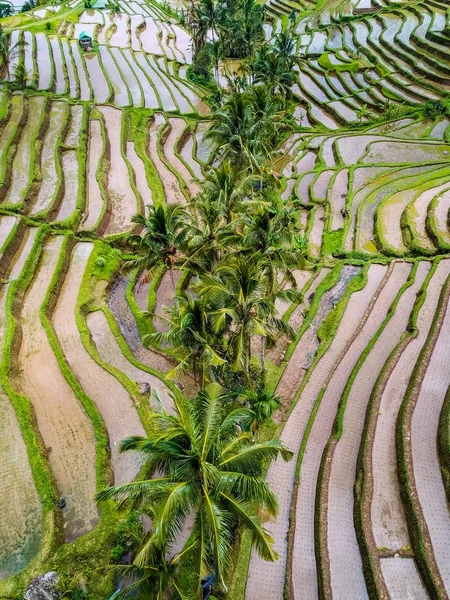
(94, 200)
(20, 506)
(124, 203)
(65, 428)
(266, 580)
(111, 353)
(345, 560)
(120, 416)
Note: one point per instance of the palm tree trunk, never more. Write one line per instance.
(172, 279)
(262, 355)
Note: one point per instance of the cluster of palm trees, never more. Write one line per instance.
(237, 26)
(219, 33)
(239, 243)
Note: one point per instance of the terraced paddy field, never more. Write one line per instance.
(94, 137)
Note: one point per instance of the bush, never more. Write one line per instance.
(6, 10)
(29, 5)
(434, 109)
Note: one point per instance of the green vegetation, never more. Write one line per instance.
(211, 474)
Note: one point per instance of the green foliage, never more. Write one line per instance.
(211, 470)
(236, 30)
(28, 5)
(128, 533)
(432, 110)
(332, 242)
(6, 10)
(352, 66)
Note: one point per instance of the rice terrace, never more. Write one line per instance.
(225, 299)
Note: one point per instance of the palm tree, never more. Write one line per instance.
(207, 14)
(216, 52)
(263, 404)
(161, 239)
(208, 235)
(209, 470)
(231, 129)
(242, 306)
(7, 51)
(190, 334)
(273, 232)
(227, 187)
(158, 580)
(248, 127)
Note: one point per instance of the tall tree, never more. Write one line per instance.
(242, 306)
(210, 470)
(190, 335)
(7, 52)
(162, 236)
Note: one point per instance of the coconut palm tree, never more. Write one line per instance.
(272, 232)
(190, 335)
(208, 236)
(248, 127)
(7, 51)
(243, 306)
(210, 471)
(277, 73)
(262, 402)
(161, 239)
(207, 15)
(227, 187)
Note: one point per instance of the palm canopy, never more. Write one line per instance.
(191, 336)
(210, 470)
(248, 127)
(226, 188)
(7, 50)
(162, 236)
(273, 232)
(242, 305)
